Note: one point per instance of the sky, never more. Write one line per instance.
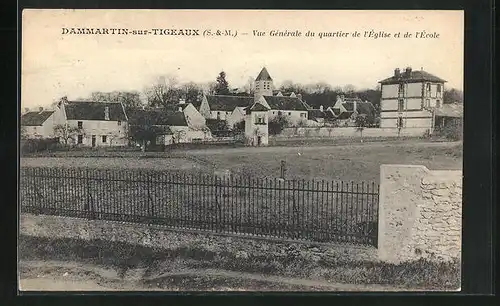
(54, 64)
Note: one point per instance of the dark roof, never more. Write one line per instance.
(259, 107)
(159, 117)
(285, 103)
(35, 118)
(315, 113)
(413, 77)
(336, 111)
(264, 75)
(331, 114)
(182, 105)
(216, 124)
(345, 115)
(365, 108)
(76, 110)
(228, 103)
(163, 130)
(349, 106)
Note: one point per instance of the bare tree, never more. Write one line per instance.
(163, 92)
(67, 133)
(249, 86)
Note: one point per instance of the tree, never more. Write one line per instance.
(163, 92)
(129, 99)
(452, 96)
(249, 86)
(361, 122)
(277, 124)
(239, 127)
(67, 133)
(23, 133)
(222, 86)
(192, 92)
(349, 89)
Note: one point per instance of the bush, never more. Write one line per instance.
(277, 124)
(39, 145)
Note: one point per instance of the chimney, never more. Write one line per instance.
(180, 109)
(397, 72)
(321, 107)
(106, 113)
(355, 107)
(408, 71)
(299, 96)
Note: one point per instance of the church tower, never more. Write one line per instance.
(263, 84)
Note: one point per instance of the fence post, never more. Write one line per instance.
(283, 169)
(150, 202)
(90, 206)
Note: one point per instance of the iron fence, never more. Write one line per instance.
(323, 211)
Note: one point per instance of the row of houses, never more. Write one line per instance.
(98, 124)
(409, 99)
(289, 105)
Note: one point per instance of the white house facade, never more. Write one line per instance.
(99, 124)
(409, 98)
(40, 124)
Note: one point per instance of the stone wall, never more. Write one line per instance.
(165, 238)
(420, 213)
(350, 132)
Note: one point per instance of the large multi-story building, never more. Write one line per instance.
(409, 99)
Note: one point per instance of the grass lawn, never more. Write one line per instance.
(350, 162)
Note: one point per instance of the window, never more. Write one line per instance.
(119, 122)
(438, 103)
(438, 87)
(427, 102)
(218, 115)
(104, 138)
(259, 120)
(280, 113)
(428, 86)
(80, 124)
(302, 115)
(289, 114)
(401, 105)
(80, 139)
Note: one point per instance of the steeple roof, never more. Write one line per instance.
(263, 75)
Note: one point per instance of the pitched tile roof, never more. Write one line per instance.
(83, 110)
(35, 118)
(315, 113)
(228, 103)
(161, 117)
(285, 103)
(259, 107)
(349, 106)
(365, 108)
(413, 77)
(264, 75)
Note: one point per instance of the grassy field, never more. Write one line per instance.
(350, 162)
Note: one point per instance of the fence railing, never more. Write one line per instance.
(322, 211)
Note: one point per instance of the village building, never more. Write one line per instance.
(257, 125)
(182, 124)
(232, 108)
(98, 123)
(41, 123)
(346, 109)
(409, 99)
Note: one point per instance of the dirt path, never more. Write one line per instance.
(73, 276)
